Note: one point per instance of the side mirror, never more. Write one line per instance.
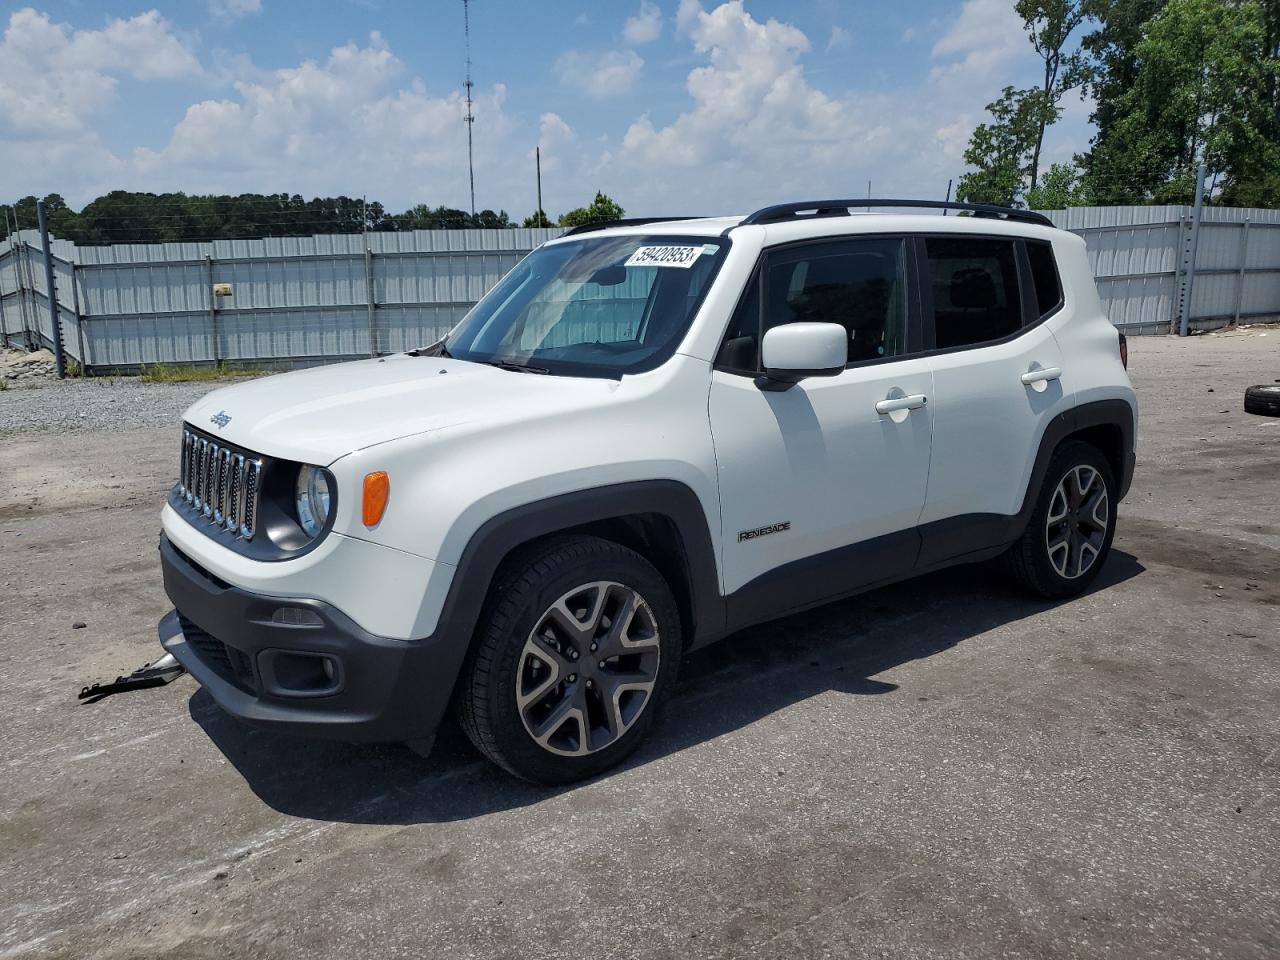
(794, 351)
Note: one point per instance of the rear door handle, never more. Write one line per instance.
(913, 402)
(1041, 376)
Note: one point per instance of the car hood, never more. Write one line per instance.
(323, 413)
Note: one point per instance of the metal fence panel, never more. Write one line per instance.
(304, 300)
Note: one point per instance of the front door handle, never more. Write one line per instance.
(913, 402)
(1044, 375)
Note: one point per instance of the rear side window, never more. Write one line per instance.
(974, 281)
(1044, 273)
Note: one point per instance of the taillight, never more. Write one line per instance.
(1124, 351)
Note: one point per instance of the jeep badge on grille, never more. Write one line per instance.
(220, 419)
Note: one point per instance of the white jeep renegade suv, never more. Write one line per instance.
(646, 436)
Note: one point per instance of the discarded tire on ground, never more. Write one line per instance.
(1263, 399)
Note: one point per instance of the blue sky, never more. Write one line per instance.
(668, 105)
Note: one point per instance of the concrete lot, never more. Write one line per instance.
(943, 768)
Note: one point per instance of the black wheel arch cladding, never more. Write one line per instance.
(628, 508)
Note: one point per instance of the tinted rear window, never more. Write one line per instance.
(975, 290)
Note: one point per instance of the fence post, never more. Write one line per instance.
(368, 283)
(51, 293)
(24, 281)
(75, 307)
(4, 324)
(1184, 323)
(213, 308)
(1244, 259)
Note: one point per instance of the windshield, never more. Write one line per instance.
(599, 306)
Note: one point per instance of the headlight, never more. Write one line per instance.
(311, 495)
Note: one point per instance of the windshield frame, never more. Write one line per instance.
(496, 296)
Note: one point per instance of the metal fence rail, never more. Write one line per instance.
(304, 300)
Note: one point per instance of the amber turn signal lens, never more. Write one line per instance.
(377, 490)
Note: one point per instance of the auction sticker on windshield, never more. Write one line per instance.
(663, 257)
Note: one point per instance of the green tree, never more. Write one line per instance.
(1111, 68)
(488, 220)
(602, 210)
(1050, 25)
(1201, 91)
(1000, 151)
(123, 216)
(1058, 189)
(538, 218)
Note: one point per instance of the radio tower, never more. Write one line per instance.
(470, 117)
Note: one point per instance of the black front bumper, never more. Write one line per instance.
(245, 649)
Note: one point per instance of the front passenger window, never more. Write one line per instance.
(858, 283)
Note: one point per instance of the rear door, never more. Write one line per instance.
(996, 371)
(819, 491)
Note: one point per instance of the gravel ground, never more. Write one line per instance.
(93, 404)
(943, 768)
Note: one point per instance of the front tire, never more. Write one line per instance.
(1068, 538)
(577, 647)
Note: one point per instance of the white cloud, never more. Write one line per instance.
(53, 79)
(645, 26)
(981, 42)
(757, 129)
(840, 37)
(234, 9)
(954, 137)
(908, 34)
(754, 127)
(606, 74)
(344, 125)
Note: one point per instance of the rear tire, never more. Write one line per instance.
(1068, 538)
(576, 649)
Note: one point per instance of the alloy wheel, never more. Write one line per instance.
(1076, 527)
(588, 668)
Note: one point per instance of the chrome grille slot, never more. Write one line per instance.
(224, 484)
(189, 448)
(184, 471)
(210, 484)
(202, 461)
(220, 483)
(235, 493)
(252, 483)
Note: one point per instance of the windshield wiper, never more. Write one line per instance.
(512, 365)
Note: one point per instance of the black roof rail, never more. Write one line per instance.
(629, 222)
(840, 208)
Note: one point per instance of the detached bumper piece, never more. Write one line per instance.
(156, 674)
(300, 666)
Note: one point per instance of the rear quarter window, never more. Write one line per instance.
(1044, 275)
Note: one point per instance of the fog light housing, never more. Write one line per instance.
(290, 673)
